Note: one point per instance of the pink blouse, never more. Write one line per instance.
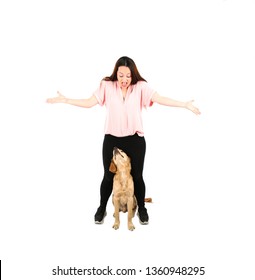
(124, 117)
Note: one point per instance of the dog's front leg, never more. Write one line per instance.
(116, 202)
(130, 213)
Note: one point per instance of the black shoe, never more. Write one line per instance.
(100, 214)
(143, 216)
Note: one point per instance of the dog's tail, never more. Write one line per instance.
(148, 199)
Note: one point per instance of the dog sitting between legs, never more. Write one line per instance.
(123, 197)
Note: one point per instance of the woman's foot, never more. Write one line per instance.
(100, 214)
(143, 216)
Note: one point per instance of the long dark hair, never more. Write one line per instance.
(128, 62)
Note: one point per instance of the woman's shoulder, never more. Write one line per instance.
(141, 85)
(108, 84)
(105, 82)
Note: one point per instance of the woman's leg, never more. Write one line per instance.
(106, 185)
(135, 147)
(107, 182)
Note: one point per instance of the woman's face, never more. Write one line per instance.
(124, 77)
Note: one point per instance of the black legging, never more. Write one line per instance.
(134, 146)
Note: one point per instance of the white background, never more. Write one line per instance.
(199, 170)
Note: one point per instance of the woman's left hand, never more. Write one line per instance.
(192, 108)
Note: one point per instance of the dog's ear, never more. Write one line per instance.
(113, 167)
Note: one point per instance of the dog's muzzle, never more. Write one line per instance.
(116, 152)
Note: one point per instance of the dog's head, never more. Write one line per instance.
(120, 161)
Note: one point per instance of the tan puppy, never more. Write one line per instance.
(123, 197)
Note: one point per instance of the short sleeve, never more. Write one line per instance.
(147, 93)
(100, 93)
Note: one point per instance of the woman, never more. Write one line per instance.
(124, 94)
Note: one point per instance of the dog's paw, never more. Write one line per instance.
(116, 226)
(131, 227)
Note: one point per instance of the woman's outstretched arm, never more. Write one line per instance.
(85, 103)
(162, 100)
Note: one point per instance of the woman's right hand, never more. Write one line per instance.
(59, 99)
